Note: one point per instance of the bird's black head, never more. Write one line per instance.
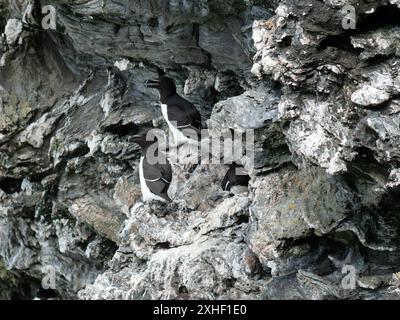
(165, 86)
(144, 140)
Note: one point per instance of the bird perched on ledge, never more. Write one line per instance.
(235, 176)
(182, 117)
(155, 179)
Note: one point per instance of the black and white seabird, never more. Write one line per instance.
(183, 118)
(154, 178)
(235, 176)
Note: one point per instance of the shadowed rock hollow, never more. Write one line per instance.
(324, 106)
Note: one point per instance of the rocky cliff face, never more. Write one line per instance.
(324, 105)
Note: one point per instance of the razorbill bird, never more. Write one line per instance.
(235, 176)
(182, 117)
(154, 178)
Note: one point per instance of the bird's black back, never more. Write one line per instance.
(183, 112)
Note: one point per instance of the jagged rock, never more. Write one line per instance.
(12, 31)
(127, 193)
(12, 286)
(369, 96)
(256, 112)
(374, 282)
(381, 42)
(293, 205)
(206, 270)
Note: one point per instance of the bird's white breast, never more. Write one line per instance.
(146, 193)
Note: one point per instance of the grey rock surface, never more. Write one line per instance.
(323, 105)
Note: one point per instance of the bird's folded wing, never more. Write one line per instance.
(166, 172)
(157, 187)
(158, 171)
(184, 117)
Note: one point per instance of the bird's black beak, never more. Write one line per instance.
(153, 84)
